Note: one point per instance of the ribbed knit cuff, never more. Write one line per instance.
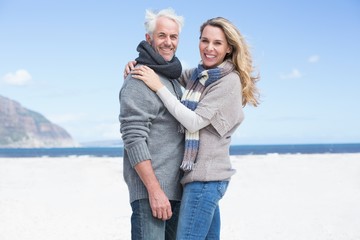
(219, 124)
(138, 153)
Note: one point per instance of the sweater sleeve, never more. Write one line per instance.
(137, 110)
(221, 103)
(188, 118)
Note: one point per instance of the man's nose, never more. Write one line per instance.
(167, 41)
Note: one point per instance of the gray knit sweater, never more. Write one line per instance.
(149, 131)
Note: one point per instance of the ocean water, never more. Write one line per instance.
(234, 150)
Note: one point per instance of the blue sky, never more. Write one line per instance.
(65, 60)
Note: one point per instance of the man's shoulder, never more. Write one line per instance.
(135, 86)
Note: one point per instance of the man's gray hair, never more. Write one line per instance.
(151, 17)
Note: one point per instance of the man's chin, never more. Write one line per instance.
(168, 56)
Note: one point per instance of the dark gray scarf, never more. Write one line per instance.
(152, 59)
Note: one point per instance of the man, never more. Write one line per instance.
(153, 144)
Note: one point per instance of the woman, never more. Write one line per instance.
(211, 111)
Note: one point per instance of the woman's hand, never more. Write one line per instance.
(128, 67)
(148, 76)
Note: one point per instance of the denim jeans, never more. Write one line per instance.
(199, 212)
(145, 227)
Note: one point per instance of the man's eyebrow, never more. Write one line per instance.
(171, 34)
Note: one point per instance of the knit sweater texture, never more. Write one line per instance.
(149, 131)
(221, 103)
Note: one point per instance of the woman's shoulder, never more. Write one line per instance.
(232, 79)
(234, 76)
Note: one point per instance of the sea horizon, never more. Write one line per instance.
(117, 151)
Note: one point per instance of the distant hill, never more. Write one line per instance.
(24, 128)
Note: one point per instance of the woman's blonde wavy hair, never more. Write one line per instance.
(240, 57)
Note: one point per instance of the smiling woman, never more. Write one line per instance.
(213, 46)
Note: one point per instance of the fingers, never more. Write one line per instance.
(142, 71)
(160, 206)
(169, 213)
(128, 67)
(163, 214)
(127, 70)
(132, 64)
(137, 73)
(125, 73)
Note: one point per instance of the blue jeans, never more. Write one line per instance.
(145, 227)
(199, 212)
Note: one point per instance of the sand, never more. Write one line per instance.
(271, 197)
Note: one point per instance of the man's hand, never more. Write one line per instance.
(160, 205)
(159, 202)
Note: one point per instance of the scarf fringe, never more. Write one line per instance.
(181, 128)
(187, 166)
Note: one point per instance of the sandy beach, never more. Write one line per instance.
(271, 197)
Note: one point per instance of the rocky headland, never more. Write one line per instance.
(24, 128)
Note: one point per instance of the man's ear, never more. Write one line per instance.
(148, 38)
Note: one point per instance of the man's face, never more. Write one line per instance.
(165, 38)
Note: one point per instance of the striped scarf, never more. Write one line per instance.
(200, 79)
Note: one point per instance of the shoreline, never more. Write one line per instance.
(243, 150)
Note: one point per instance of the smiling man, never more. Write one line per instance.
(153, 145)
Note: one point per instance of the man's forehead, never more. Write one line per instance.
(166, 33)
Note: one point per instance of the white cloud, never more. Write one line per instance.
(314, 59)
(292, 75)
(20, 77)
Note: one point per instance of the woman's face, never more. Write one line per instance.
(213, 46)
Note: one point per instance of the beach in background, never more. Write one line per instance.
(271, 197)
